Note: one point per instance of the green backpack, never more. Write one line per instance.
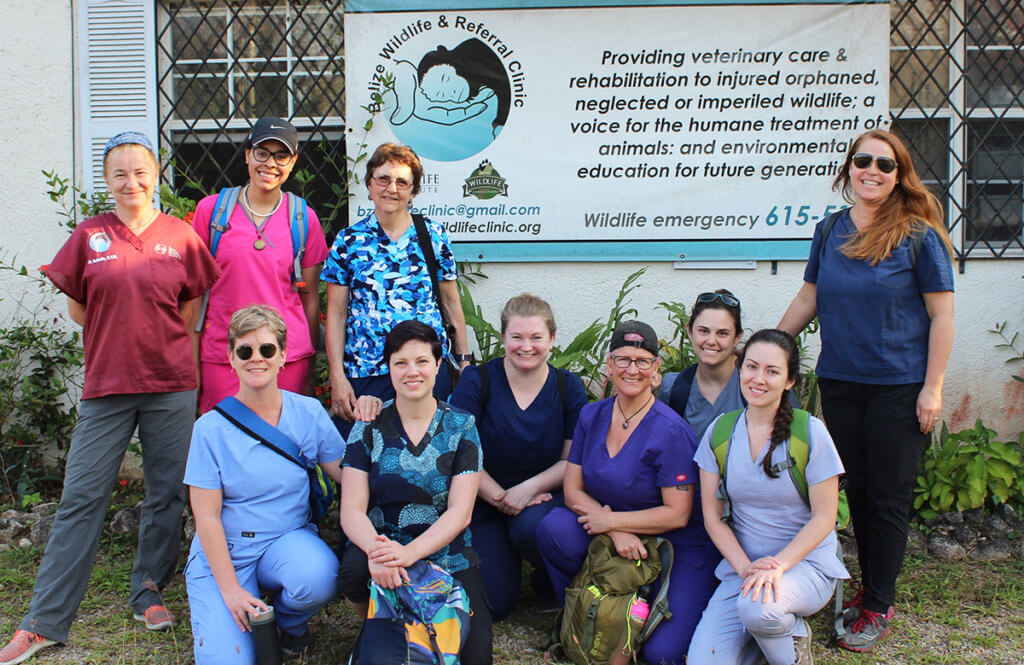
(595, 622)
(799, 454)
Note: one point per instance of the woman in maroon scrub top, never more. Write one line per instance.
(132, 277)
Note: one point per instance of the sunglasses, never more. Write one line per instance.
(862, 160)
(244, 351)
(726, 299)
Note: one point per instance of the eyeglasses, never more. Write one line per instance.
(244, 351)
(862, 160)
(384, 181)
(281, 157)
(623, 362)
(726, 299)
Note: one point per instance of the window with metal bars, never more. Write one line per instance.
(957, 97)
(223, 65)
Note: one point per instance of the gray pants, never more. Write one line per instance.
(98, 444)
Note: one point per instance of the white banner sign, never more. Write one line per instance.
(645, 123)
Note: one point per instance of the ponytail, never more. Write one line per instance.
(780, 432)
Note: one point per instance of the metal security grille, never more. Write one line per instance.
(957, 97)
(222, 65)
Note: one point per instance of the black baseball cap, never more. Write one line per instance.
(277, 129)
(635, 333)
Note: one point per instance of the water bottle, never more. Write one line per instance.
(640, 607)
(266, 640)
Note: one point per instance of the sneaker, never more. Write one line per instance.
(156, 617)
(297, 645)
(851, 608)
(868, 630)
(802, 649)
(23, 646)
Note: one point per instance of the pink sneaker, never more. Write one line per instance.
(156, 617)
(23, 646)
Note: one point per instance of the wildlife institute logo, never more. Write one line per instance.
(99, 242)
(485, 183)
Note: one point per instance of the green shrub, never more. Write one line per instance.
(969, 469)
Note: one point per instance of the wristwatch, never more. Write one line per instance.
(463, 357)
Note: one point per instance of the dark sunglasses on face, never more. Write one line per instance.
(244, 351)
(862, 160)
(712, 297)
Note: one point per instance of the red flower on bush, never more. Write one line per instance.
(43, 268)
(123, 482)
(189, 216)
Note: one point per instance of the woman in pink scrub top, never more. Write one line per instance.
(257, 259)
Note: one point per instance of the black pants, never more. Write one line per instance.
(879, 439)
(354, 577)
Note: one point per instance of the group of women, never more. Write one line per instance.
(513, 464)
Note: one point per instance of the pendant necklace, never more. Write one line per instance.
(625, 419)
(259, 243)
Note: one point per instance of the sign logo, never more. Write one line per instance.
(485, 183)
(99, 242)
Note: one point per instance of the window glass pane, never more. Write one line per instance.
(919, 22)
(259, 34)
(265, 94)
(319, 96)
(992, 22)
(200, 91)
(920, 79)
(194, 38)
(928, 142)
(317, 33)
(996, 172)
(995, 77)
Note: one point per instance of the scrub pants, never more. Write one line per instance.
(502, 543)
(298, 569)
(220, 380)
(739, 631)
(563, 544)
(380, 386)
(879, 439)
(355, 584)
(98, 443)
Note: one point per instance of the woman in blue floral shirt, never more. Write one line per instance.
(377, 276)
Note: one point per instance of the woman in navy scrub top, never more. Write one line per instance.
(526, 424)
(886, 333)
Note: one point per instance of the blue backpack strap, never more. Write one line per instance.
(298, 221)
(222, 209)
(680, 393)
(246, 420)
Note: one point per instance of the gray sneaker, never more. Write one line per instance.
(868, 630)
(802, 649)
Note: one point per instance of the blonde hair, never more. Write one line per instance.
(909, 205)
(527, 304)
(252, 318)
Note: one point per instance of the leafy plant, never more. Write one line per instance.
(1011, 344)
(969, 469)
(676, 356)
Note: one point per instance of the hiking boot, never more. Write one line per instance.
(23, 646)
(297, 645)
(802, 648)
(867, 631)
(156, 617)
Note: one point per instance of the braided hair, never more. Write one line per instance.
(784, 412)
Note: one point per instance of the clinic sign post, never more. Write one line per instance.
(635, 131)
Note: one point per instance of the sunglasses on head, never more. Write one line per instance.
(862, 160)
(244, 351)
(712, 297)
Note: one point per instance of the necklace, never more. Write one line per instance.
(625, 418)
(259, 243)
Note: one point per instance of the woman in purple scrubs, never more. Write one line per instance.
(630, 473)
(881, 284)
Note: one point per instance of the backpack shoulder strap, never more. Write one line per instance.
(298, 222)
(485, 387)
(562, 389)
(245, 419)
(222, 209)
(826, 229)
(659, 604)
(799, 452)
(680, 393)
(720, 439)
(917, 236)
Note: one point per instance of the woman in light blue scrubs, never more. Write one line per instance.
(711, 387)
(880, 281)
(251, 506)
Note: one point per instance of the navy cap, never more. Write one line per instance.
(276, 129)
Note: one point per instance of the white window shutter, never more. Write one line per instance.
(117, 77)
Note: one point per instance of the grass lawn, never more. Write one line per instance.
(946, 613)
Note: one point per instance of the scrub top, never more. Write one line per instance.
(699, 411)
(409, 483)
(265, 495)
(874, 325)
(519, 443)
(767, 513)
(659, 453)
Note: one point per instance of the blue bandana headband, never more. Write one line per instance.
(135, 138)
